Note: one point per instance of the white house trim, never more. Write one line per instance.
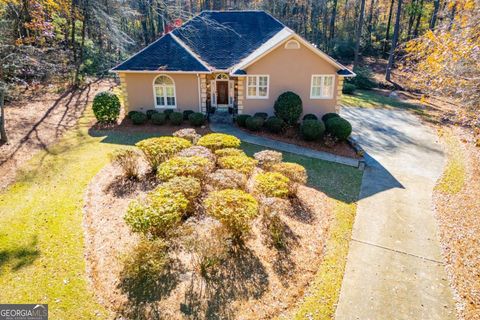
(257, 85)
(160, 71)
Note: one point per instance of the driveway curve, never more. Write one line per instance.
(395, 268)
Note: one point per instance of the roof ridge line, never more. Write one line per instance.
(191, 52)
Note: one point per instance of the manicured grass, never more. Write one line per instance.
(372, 99)
(454, 175)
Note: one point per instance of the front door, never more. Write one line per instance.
(222, 93)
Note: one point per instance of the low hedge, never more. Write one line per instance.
(241, 119)
(168, 112)
(176, 118)
(312, 129)
(159, 118)
(329, 115)
(196, 119)
(262, 115)
(138, 118)
(339, 127)
(254, 123)
(187, 113)
(275, 124)
(310, 116)
(150, 113)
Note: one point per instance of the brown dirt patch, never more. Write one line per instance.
(257, 281)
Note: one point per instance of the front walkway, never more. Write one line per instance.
(394, 267)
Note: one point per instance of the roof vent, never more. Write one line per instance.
(292, 44)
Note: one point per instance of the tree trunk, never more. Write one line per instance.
(358, 34)
(82, 45)
(411, 19)
(419, 17)
(433, 20)
(3, 132)
(389, 22)
(370, 22)
(332, 24)
(394, 41)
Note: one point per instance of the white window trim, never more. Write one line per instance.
(164, 93)
(321, 84)
(257, 86)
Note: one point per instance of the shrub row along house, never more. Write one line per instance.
(241, 60)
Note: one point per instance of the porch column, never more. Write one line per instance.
(240, 94)
(203, 93)
(123, 88)
(339, 94)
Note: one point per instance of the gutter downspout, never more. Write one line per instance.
(199, 94)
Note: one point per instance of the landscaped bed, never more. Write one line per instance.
(205, 264)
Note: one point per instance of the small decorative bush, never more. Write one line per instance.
(168, 112)
(329, 115)
(189, 134)
(339, 128)
(275, 124)
(292, 171)
(216, 141)
(129, 114)
(197, 167)
(106, 107)
(226, 179)
(262, 115)
(196, 119)
(241, 119)
(288, 107)
(176, 118)
(312, 129)
(254, 123)
(310, 116)
(271, 184)
(198, 151)
(150, 113)
(190, 187)
(126, 159)
(159, 214)
(235, 209)
(157, 150)
(267, 158)
(229, 152)
(138, 118)
(187, 113)
(348, 88)
(159, 118)
(241, 164)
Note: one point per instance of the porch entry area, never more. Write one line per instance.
(222, 92)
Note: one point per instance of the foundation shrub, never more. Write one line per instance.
(275, 125)
(159, 118)
(138, 118)
(288, 106)
(339, 128)
(196, 119)
(241, 119)
(254, 123)
(312, 129)
(176, 118)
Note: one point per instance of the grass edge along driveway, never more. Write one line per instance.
(41, 234)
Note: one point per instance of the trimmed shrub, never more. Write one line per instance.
(288, 106)
(275, 124)
(267, 158)
(312, 129)
(254, 123)
(187, 113)
(168, 112)
(271, 184)
(216, 141)
(188, 133)
(129, 114)
(235, 209)
(150, 113)
(157, 150)
(292, 171)
(262, 115)
(176, 118)
(159, 214)
(226, 179)
(106, 107)
(197, 151)
(363, 79)
(190, 187)
(126, 159)
(241, 164)
(339, 128)
(229, 152)
(196, 119)
(241, 119)
(348, 88)
(197, 167)
(159, 118)
(310, 116)
(138, 118)
(330, 115)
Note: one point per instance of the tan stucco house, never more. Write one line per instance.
(231, 59)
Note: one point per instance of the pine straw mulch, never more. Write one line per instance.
(459, 219)
(257, 282)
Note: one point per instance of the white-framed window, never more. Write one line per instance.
(257, 86)
(164, 92)
(322, 86)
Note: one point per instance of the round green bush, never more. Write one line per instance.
(187, 113)
(150, 113)
(254, 123)
(106, 107)
(157, 150)
(168, 112)
(330, 115)
(339, 128)
(176, 118)
(216, 141)
(348, 88)
(196, 119)
(275, 124)
(159, 118)
(271, 184)
(310, 116)
(241, 119)
(129, 114)
(138, 118)
(288, 107)
(312, 129)
(262, 115)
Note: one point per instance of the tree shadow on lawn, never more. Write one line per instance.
(19, 257)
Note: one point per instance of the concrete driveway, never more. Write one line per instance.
(394, 267)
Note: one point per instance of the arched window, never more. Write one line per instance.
(164, 91)
(222, 76)
(292, 44)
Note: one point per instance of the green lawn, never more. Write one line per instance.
(41, 237)
(372, 99)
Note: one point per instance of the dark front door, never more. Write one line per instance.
(222, 92)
